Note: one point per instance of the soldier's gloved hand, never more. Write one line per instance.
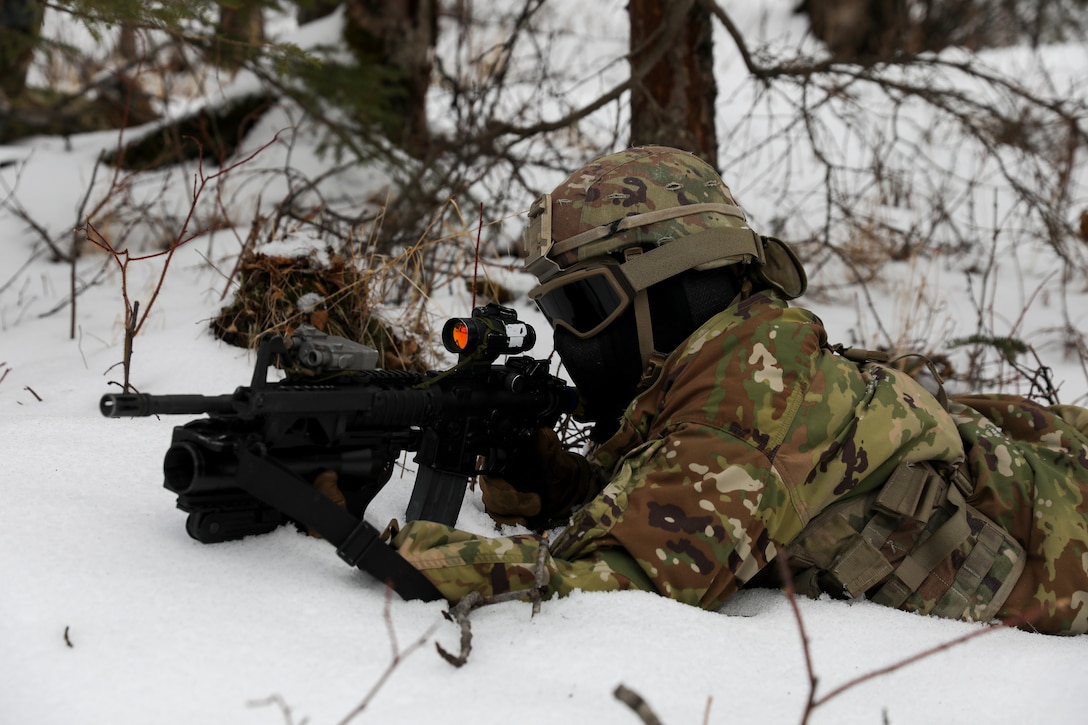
(325, 483)
(507, 505)
(542, 484)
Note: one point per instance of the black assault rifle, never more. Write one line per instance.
(247, 467)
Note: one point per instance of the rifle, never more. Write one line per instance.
(246, 468)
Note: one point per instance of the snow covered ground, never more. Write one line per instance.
(109, 613)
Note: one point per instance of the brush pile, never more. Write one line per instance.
(276, 294)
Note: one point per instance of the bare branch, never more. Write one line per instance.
(812, 701)
(638, 705)
(460, 612)
(398, 656)
(459, 615)
(784, 573)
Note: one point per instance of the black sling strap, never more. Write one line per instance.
(356, 541)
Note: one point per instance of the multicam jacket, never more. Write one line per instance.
(757, 440)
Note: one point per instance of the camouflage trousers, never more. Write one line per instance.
(1037, 490)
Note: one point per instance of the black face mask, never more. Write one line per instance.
(607, 368)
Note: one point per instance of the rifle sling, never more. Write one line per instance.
(356, 541)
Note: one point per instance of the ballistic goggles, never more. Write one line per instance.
(585, 301)
(589, 296)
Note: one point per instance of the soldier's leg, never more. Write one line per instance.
(1031, 474)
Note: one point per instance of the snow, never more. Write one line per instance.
(110, 613)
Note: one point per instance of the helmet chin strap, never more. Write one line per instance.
(652, 360)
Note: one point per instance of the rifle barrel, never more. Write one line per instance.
(139, 405)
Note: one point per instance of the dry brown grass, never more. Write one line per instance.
(276, 294)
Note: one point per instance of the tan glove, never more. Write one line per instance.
(542, 484)
(325, 483)
(507, 505)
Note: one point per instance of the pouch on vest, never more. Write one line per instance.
(916, 544)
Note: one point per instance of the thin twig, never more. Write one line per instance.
(1011, 622)
(814, 702)
(541, 573)
(74, 257)
(123, 257)
(398, 656)
(459, 614)
(638, 705)
(782, 561)
(279, 702)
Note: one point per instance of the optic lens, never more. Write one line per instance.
(459, 334)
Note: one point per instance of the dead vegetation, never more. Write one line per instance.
(275, 294)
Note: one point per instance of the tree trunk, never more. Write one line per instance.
(128, 41)
(241, 32)
(673, 104)
(20, 27)
(400, 36)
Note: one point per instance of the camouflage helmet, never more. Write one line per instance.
(652, 197)
(629, 220)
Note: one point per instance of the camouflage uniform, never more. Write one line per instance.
(757, 439)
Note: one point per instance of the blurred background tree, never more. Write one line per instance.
(20, 26)
(672, 103)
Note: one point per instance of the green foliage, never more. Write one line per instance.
(362, 94)
(1008, 347)
(175, 16)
